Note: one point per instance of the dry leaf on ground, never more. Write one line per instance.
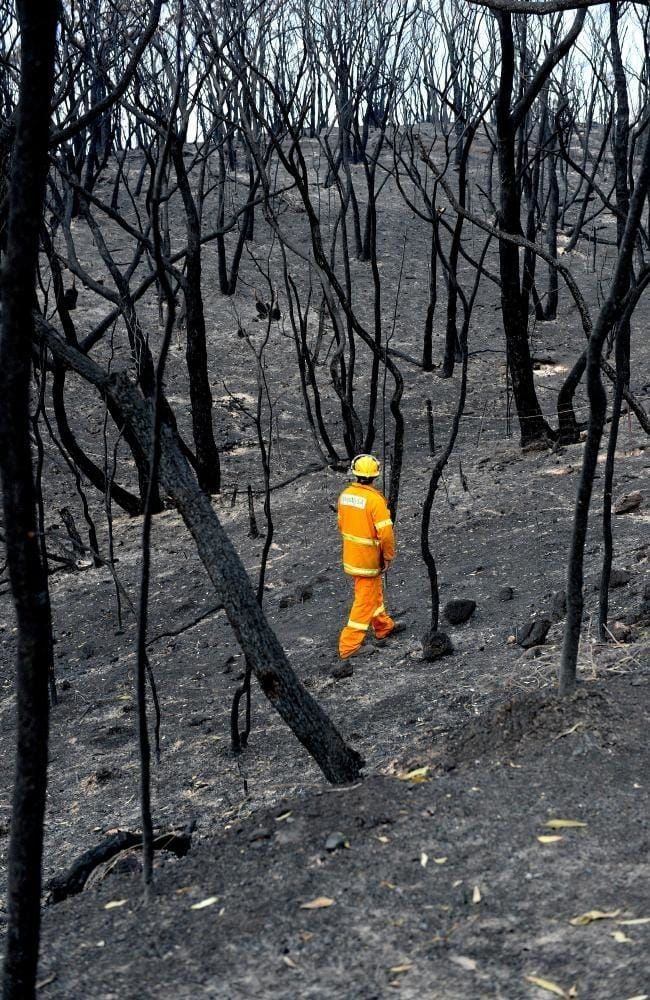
(567, 732)
(550, 987)
(42, 983)
(320, 903)
(564, 824)
(210, 901)
(416, 777)
(591, 915)
(464, 961)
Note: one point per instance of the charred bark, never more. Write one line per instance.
(313, 728)
(27, 573)
(614, 309)
(622, 333)
(207, 454)
(513, 302)
(72, 883)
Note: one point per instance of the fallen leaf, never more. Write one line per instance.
(282, 816)
(289, 961)
(440, 861)
(385, 884)
(469, 964)
(591, 915)
(564, 824)
(401, 968)
(621, 938)
(416, 777)
(476, 895)
(550, 838)
(567, 732)
(114, 903)
(641, 996)
(424, 859)
(318, 904)
(46, 982)
(546, 984)
(383, 840)
(633, 921)
(210, 901)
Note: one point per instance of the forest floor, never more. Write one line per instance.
(442, 887)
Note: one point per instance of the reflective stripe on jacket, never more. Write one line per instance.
(366, 529)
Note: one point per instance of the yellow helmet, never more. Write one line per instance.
(365, 466)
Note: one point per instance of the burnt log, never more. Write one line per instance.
(74, 880)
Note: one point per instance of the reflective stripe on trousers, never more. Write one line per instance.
(356, 571)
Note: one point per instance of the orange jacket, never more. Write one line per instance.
(367, 530)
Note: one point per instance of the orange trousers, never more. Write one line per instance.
(367, 609)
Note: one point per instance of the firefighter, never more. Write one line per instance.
(368, 549)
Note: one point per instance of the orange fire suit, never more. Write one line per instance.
(368, 549)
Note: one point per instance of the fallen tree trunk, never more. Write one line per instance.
(310, 724)
(74, 880)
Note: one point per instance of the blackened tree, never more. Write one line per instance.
(29, 164)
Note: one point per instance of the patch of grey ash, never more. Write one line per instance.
(440, 889)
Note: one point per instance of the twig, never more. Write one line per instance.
(184, 628)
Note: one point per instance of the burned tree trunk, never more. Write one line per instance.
(615, 309)
(126, 500)
(207, 454)
(553, 214)
(27, 572)
(339, 763)
(622, 332)
(514, 301)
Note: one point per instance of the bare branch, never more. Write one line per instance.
(74, 128)
(537, 6)
(517, 240)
